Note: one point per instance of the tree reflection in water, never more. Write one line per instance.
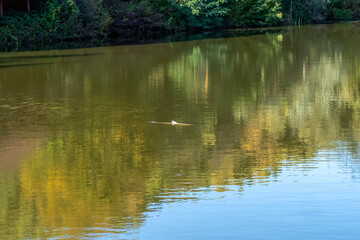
(258, 104)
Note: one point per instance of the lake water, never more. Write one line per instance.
(271, 152)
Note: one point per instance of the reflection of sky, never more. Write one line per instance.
(322, 203)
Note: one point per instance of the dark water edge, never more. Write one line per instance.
(152, 38)
(164, 37)
(213, 34)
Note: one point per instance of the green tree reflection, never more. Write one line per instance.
(256, 103)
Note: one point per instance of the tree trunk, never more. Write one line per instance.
(1, 8)
(28, 5)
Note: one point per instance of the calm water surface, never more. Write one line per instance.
(272, 152)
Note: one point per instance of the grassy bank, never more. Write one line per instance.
(67, 20)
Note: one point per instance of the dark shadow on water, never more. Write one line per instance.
(17, 58)
(133, 39)
(23, 65)
(180, 37)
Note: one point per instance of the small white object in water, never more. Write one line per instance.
(172, 123)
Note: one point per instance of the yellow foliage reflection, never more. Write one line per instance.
(256, 103)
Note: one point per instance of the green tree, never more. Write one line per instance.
(59, 18)
(344, 9)
(255, 12)
(200, 13)
(94, 18)
(304, 11)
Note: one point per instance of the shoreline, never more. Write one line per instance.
(164, 37)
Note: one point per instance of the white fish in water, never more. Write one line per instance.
(172, 123)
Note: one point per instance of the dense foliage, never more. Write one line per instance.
(255, 13)
(56, 20)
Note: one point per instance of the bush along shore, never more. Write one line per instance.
(52, 21)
